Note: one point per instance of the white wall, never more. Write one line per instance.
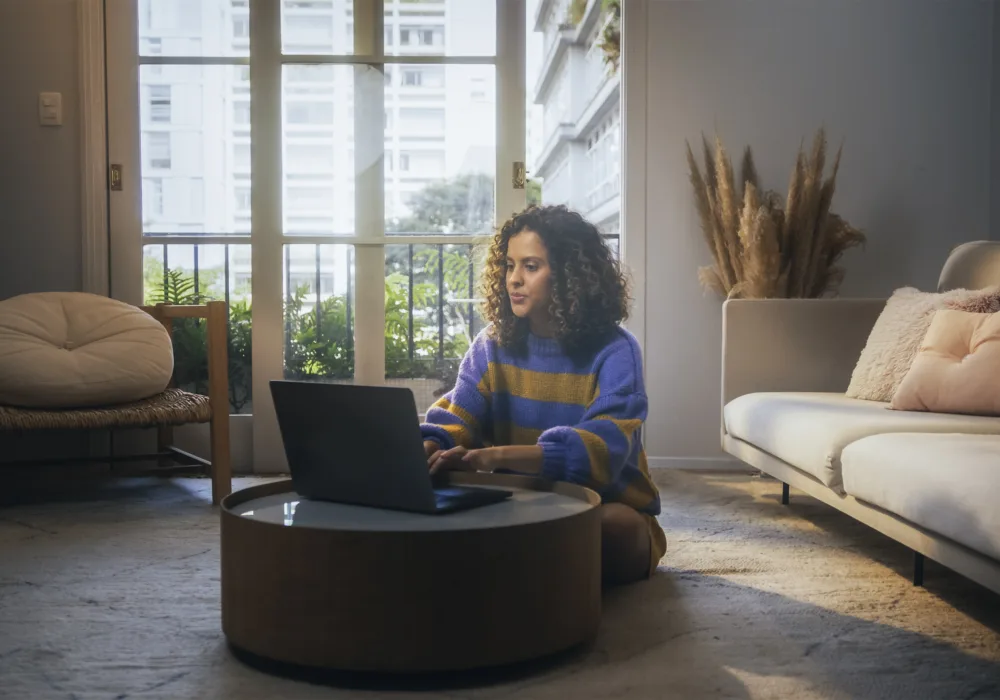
(905, 83)
(40, 231)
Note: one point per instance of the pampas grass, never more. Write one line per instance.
(763, 248)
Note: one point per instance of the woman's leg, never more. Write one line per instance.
(625, 544)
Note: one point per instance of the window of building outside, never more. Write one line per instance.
(309, 158)
(241, 27)
(241, 112)
(242, 199)
(158, 148)
(241, 157)
(152, 197)
(309, 112)
(421, 120)
(423, 76)
(309, 199)
(159, 103)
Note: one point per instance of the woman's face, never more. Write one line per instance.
(528, 278)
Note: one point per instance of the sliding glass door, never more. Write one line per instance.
(331, 168)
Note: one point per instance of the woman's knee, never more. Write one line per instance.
(625, 543)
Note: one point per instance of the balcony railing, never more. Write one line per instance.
(431, 307)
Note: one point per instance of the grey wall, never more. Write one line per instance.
(906, 84)
(40, 232)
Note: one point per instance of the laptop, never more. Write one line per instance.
(362, 445)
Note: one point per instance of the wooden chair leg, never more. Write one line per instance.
(222, 473)
(218, 392)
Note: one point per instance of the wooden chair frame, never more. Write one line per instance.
(218, 466)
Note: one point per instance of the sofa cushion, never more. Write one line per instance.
(73, 350)
(958, 367)
(945, 483)
(810, 430)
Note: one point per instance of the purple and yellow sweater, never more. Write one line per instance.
(586, 418)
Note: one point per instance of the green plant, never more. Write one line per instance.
(190, 339)
(611, 34)
(611, 29)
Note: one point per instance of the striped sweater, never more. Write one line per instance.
(586, 417)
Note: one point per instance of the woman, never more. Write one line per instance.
(553, 386)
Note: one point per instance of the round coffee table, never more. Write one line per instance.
(362, 589)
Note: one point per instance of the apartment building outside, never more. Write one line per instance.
(577, 152)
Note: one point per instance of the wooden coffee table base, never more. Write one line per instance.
(461, 591)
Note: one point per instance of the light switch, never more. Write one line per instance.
(50, 109)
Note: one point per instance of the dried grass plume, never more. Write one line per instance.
(762, 248)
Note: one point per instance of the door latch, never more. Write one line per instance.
(519, 175)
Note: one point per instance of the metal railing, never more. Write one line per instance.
(418, 264)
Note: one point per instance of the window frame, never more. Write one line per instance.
(267, 237)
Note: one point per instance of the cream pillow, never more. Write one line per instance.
(957, 369)
(898, 332)
(72, 350)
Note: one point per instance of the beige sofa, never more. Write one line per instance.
(928, 480)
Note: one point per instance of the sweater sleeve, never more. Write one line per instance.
(458, 417)
(594, 451)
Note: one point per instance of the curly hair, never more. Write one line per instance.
(589, 294)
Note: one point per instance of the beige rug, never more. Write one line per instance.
(113, 592)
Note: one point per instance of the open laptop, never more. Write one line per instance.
(362, 445)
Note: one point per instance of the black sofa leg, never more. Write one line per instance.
(918, 569)
(784, 494)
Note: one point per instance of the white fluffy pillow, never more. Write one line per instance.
(73, 350)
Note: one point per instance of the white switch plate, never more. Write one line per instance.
(50, 109)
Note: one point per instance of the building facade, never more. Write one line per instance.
(577, 150)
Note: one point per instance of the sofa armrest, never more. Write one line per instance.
(793, 344)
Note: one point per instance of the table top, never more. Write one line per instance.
(526, 506)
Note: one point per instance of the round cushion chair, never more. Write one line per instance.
(72, 350)
(72, 360)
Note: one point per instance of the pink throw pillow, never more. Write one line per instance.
(957, 369)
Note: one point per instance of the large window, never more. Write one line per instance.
(331, 169)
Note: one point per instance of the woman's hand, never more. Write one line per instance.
(526, 459)
(448, 460)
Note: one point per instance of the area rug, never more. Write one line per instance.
(110, 590)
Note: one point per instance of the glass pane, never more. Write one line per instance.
(440, 143)
(194, 28)
(318, 145)
(194, 274)
(573, 113)
(440, 27)
(319, 311)
(195, 123)
(317, 27)
(431, 315)
(439, 147)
